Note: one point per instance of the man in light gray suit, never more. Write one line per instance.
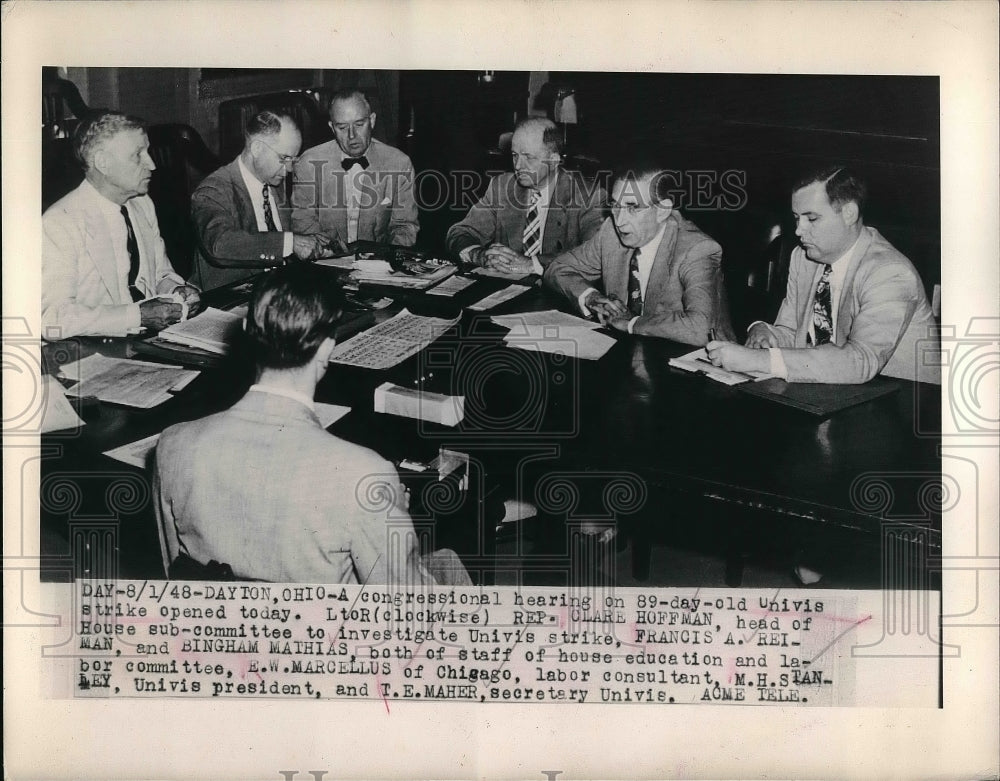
(264, 489)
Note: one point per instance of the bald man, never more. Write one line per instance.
(243, 223)
(355, 188)
(528, 217)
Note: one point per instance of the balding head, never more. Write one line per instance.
(536, 151)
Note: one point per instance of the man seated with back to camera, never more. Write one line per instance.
(854, 306)
(263, 489)
(648, 270)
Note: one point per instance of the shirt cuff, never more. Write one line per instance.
(631, 324)
(778, 368)
(133, 319)
(289, 245)
(583, 297)
(466, 254)
(536, 267)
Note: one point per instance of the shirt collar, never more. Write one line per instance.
(649, 250)
(847, 255)
(253, 184)
(286, 392)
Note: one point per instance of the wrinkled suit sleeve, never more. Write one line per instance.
(481, 225)
(403, 224)
(575, 271)
(228, 243)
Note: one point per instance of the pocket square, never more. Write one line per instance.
(386, 201)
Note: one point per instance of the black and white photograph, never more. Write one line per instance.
(475, 382)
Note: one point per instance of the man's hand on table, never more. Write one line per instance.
(735, 358)
(506, 260)
(307, 247)
(158, 313)
(190, 295)
(761, 336)
(607, 310)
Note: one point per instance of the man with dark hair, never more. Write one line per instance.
(355, 188)
(648, 270)
(263, 489)
(854, 306)
(239, 212)
(528, 217)
(104, 266)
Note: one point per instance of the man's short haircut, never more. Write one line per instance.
(349, 94)
(842, 186)
(266, 123)
(292, 310)
(663, 184)
(98, 128)
(551, 137)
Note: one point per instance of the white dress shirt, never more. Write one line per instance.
(838, 274)
(256, 189)
(647, 254)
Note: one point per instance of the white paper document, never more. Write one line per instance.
(451, 286)
(495, 299)
(391, 342)
(212, 330)
(492, 272)
(552, 317)
(59, 413)
(697, 361)
(121, 381)
(345, 263)
(573, 342)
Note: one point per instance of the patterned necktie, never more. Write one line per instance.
(349, 162)
(822, 309)
(634, 285)
(533, 227)
(133, 257)
(268, 214)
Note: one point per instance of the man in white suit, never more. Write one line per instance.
(854, 306)
(104, 267)
(263, 489)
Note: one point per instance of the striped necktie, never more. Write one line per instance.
(822, 309)
(634, 285)
(268, 214)
(533, 227)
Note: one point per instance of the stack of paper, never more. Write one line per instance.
(422, 405)
(550, 317)
(697, 361)
(391, 342)
(492, 272)
(213, 330)
(415, 274)
(571, 341)
(451, 286)
(120, 381)
(495, 299)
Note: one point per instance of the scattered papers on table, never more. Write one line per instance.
(212, 330)
(135, 453)
(391, 342)
(345, 263)
(697, 361)
(492, 272)
(422, 405)
(573, 342)
(59, 413)
(552, 317)
(495, 299)
(451, 286)
(121, 381)
(413, 274)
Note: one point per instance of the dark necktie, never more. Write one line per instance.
(822, 309)
(533, 227)
(133, 257)
(350, 162)
(634, 286)
(268, 214)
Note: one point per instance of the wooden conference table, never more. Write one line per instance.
(625, 439)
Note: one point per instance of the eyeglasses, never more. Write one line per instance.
(284, 159)
(631, 209)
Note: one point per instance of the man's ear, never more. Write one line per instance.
(663, 209)
(371, 118)
(324, 350)
(100, 161)
(849, 213)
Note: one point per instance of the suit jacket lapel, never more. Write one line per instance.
(513, 219)
(101, 250)
(659, 274)
(845, 312)
(555, 219)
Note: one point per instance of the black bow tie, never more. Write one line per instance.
(350, 162)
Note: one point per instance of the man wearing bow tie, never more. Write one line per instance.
(527, 217)
(355, 188)
(104, 267)
(239, 212)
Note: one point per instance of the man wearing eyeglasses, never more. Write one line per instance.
(528, 217)
(648, 270)
(354, 188)
(243, 225)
